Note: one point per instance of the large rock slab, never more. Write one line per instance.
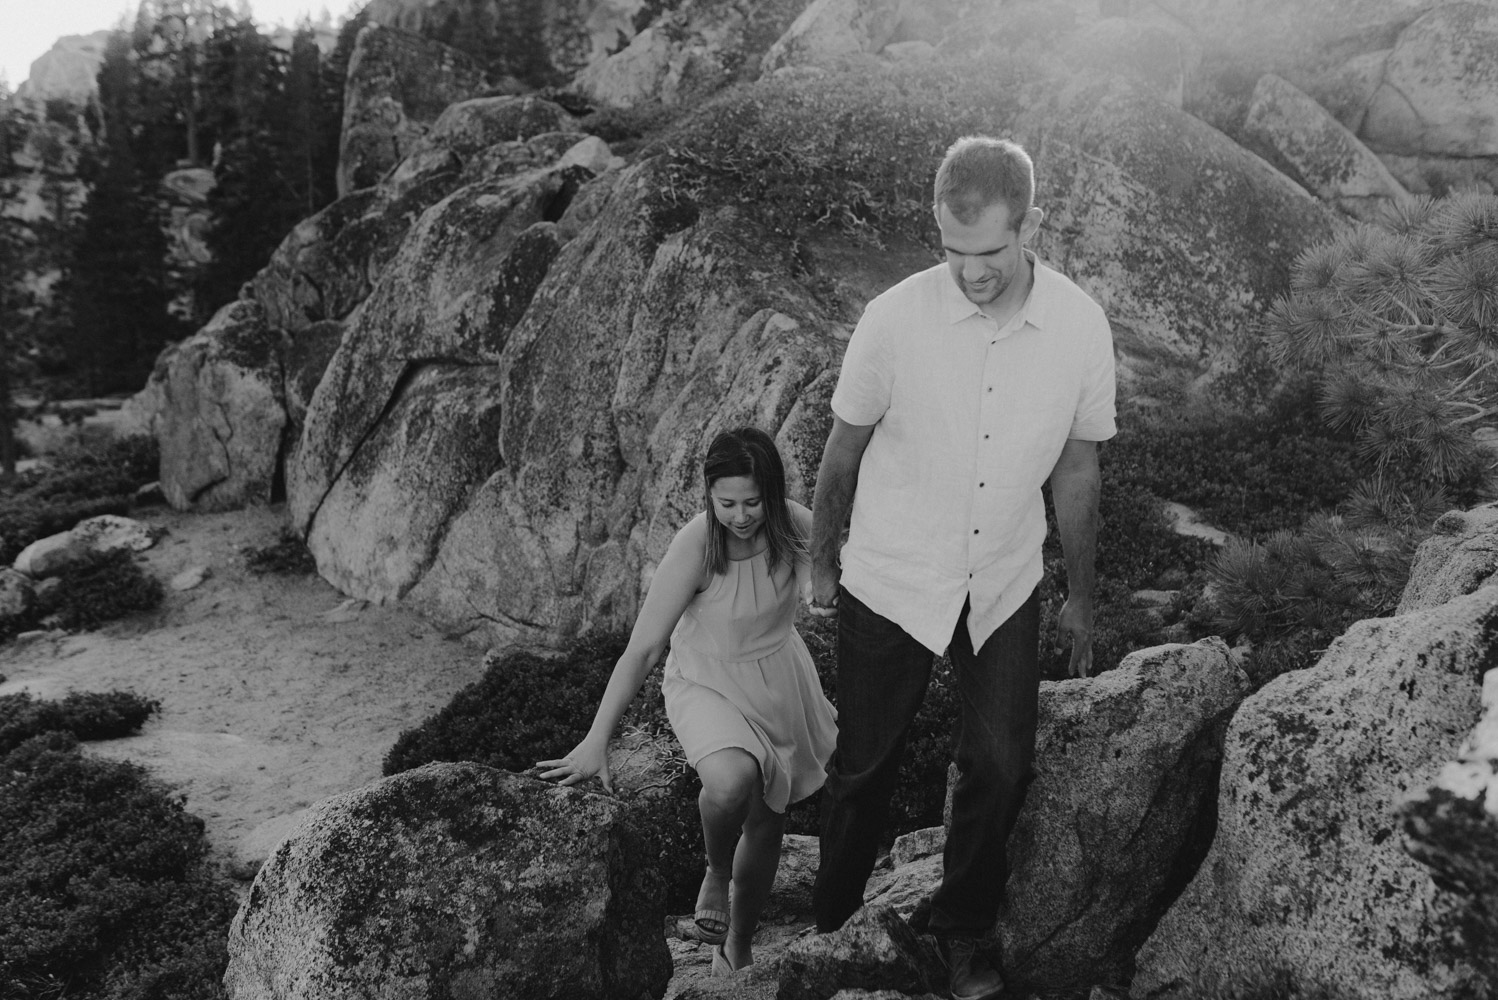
(458, 881)
(1120, 813)
(1294, 39)
(1157, 57)
(650, 332)
(1184, 237)
(1303, 139)
(1306, 885)
(401, 430)
(398, 83)
(1116, 821)
(1439, 94)
(220, 429)
(1452, 828)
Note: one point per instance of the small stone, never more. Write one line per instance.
(191, 577)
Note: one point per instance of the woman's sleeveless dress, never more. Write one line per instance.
(738, 675)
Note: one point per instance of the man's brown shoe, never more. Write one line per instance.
(970, 975)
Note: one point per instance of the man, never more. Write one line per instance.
(964, 388)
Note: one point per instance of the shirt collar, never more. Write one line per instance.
(958, 307)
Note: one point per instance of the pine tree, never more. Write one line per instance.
(117, 290)
(1399, 324)
(278, 119)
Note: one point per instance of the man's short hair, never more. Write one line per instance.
(979, 171)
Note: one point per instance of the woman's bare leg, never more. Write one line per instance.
(754, 865)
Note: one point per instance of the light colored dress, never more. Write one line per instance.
(739, 675)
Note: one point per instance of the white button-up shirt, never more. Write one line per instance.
(971, 418)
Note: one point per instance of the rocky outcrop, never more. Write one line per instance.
(1291, 38)
(1439, 93)
(1113, 828)
(17, 594)
(830, 30)
(1308, 144)
(1157, 57)
(398, 83)
(67, 70)
(533, 43)
(1460, 556)
(454, 880)
(1452, 826)
(1119, 815)
(688, 53)
(373, 483)
(660, 321)
(1306, 885)
(875, 949)
(1183, 236)
(223, 412)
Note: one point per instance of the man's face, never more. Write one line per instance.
(985, 256)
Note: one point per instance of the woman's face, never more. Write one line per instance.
(738, 505)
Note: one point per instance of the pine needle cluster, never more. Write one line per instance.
(1398, 321)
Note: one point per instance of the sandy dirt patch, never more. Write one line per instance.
(275, 691)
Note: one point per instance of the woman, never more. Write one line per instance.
(740, 690)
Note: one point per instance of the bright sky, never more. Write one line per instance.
(29, 27)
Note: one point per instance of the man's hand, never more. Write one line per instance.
(837, 478)
(1075, 622)
(824, 591)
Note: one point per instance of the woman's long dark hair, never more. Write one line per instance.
(749, 451)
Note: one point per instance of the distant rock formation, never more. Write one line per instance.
(67, 70)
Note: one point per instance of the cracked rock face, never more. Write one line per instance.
(223, 412)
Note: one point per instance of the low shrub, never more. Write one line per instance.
(1295, 592)
(86, 715)
(91, 594)
(108, 588)
(79, 484)
(286, 556)
(107, 894)
(1249, 473)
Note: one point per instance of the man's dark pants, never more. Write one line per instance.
(882, 675)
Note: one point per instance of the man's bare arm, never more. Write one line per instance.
(1076, 484)
(837, 479)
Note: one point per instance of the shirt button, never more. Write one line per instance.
(975, 531)
(980, 486)
(985, 437)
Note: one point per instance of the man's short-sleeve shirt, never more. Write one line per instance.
(971, 418)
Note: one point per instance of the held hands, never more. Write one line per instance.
(824, 591)
(1075, 621)
(588, 758)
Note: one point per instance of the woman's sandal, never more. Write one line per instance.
(712, 923)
